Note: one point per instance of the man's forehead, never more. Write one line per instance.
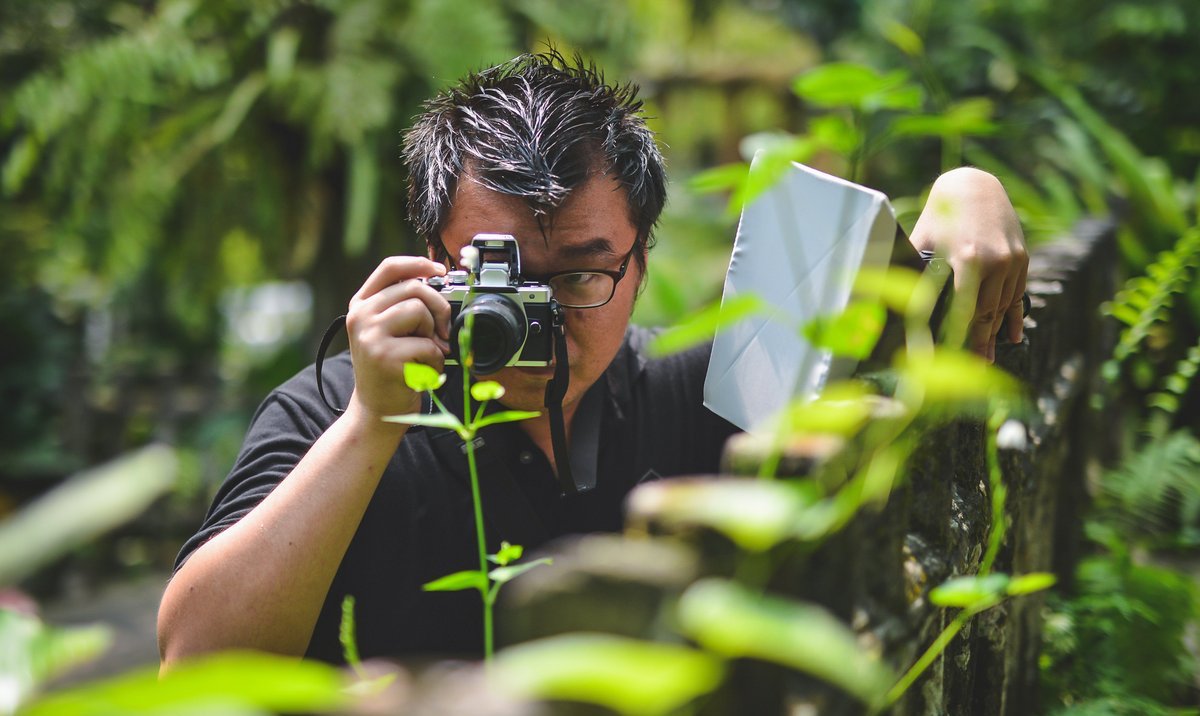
(589, 224)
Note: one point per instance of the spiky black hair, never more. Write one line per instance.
(535, 127)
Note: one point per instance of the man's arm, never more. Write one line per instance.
(260, 584)
(969, 220)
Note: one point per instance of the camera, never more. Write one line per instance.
(513, 321)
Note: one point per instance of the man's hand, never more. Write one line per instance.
(395, 319)
(969, 220)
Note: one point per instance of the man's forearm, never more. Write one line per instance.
(261, 583)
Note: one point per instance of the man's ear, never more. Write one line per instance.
(436, 251)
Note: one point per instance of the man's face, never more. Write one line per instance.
(591, 230)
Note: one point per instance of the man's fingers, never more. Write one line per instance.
(426, 299)
(396, 269)
(1015, 318)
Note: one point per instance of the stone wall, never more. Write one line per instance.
(876, 573)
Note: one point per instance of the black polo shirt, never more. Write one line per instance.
(419, 526)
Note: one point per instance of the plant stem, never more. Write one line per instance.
(999, 494)
(931, 654)
(480, 541)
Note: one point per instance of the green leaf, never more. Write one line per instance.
(704, 324)
(730, 620)
(34, 653)
(422, 378)
(971, 591)
(437, 420)
(231, 682)
(467, 579)
(506, 416)
(902, 290)
(755, 514)
(852, 333)
(1029, 583)
(487, 390)
(500, 575)
(839, 84)
(971, 117)
(903, 37)
(835, 132)
(84, 506)
(955, 376)
(508, 553)
(842, 408)
(630, 677)
(726, 177)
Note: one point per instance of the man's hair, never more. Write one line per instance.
(536, 127)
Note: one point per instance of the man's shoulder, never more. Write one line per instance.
(639, 373)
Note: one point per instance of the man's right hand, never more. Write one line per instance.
(395, 318)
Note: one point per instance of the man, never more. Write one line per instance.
(320, 506)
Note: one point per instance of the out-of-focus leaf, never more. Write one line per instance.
(955, 376)
(436, 420)
(843, 84)
(852, 333)
(704, 324)
(755, 514)
(86, 505)
(512, 571)
(228, 683)
(835, 132)
(458, 581)
(487, 390)
(728, 619)
(841, 409)
(1029, 583)
(422, 378)
(631, 677)
(971, 117)
(33, 653)
(903, 37)
(506, 416)
(901, 289)
(971, 591)
(726, 177)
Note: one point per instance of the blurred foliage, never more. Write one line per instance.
(1117, 642)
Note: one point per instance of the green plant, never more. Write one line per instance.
(1119, 638)
(737, 618)
(487, 580)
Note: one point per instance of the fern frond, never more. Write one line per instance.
(1156, 492)
(1146, 301)
(1177, 383)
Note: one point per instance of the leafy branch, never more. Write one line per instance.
(487, 581)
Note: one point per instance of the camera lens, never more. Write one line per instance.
(497, 333)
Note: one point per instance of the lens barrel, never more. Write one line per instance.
(497, 332)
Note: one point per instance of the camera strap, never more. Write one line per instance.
(556, 390)
(334, 328)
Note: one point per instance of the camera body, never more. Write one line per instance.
(513, 321)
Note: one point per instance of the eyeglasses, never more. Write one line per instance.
(587, 288)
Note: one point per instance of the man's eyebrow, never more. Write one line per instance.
(598, 247)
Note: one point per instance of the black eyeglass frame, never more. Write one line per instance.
(616, 277)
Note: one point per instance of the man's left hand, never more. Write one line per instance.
(969, 220)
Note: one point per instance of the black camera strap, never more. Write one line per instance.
(334, 328)
(556, 390)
